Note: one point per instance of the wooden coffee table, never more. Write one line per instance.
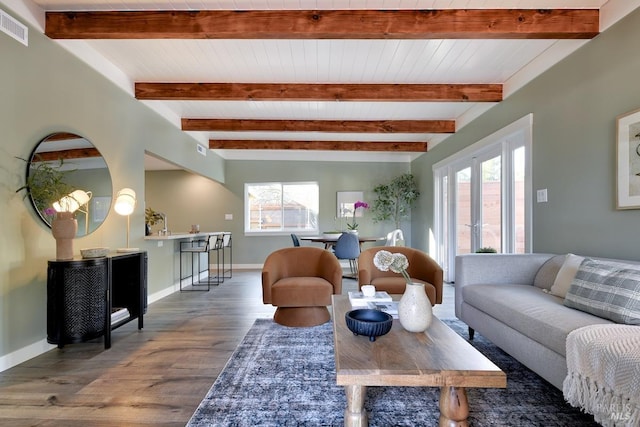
(437, 358)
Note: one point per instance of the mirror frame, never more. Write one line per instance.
(81, 154)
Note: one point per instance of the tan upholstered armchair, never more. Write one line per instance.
(300, 282)
(422, 268)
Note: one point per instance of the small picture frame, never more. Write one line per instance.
(99, 208)
(628, 161)
(345, 203)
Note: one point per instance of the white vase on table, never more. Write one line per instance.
(414, 309)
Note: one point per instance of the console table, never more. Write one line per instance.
(83, 293)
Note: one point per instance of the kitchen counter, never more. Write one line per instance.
(184, 235)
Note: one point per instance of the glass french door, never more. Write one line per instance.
(482, 200)
(478, 207)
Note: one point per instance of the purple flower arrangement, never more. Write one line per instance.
(358, 204)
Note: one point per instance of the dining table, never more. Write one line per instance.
(330, 241)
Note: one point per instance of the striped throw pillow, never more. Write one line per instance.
(608, 290)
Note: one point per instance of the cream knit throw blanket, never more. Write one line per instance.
(603, 363)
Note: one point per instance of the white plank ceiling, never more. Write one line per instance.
(508, 62)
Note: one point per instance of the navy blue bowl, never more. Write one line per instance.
(368, 322)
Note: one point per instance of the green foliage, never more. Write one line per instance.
(152, 217)
(486, 250)
(46, 183)
(394, 200)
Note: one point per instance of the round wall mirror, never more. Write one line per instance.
(66, 172)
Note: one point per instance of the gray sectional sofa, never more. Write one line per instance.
(501, 297)
(575, 321)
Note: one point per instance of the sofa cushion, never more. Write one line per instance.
(547, 274)
(608, 290)
(538, 315)
(565, 275)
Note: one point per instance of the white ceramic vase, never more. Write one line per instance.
(353, 232)
(414, 309)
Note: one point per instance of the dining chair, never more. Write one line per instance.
(348, 247)
(395, 238)
(422, 269)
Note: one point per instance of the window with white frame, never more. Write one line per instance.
(281, 207)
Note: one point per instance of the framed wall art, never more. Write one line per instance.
(345, 201)
(628, 161)
(100, 208)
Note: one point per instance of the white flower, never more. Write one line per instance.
(383, 260)
(396, 262)
(399, 264)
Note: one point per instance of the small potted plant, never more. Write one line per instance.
(151, 218)
(353, 226)
(46, 184)
(486, 250)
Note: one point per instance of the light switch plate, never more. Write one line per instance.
(228, 217)
(542, 195)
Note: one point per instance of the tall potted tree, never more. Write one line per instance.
(394, 199)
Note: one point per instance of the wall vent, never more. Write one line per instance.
(13, 28)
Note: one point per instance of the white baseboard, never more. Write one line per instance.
(25, 353)
(37, 348)
(248, 267)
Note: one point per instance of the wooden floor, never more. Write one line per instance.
(153, 377)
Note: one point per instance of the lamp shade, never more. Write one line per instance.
(72, 201)
(125, 201)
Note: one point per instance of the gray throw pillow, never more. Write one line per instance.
(607, 290)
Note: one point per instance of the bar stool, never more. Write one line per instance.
(197, 248)
(226, 243)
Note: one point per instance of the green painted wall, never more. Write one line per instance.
(574, 106)
(44, 89)
(189, 199)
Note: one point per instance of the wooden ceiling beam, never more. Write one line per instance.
(74, 153)
(326, 24)
(319, 92)
(229, 144)
(62, 136)
(343, 126)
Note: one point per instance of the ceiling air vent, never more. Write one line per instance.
(14, 28)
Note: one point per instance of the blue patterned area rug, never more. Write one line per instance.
(280, 376)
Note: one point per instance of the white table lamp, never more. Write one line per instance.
(125, 204)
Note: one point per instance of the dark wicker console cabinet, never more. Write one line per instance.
(81, 294)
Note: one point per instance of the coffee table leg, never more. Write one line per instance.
(355, 415)
(454, 407)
